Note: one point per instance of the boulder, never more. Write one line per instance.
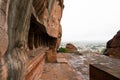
(113, 46)
(71, 48)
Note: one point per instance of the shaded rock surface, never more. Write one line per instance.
(30, 31)
(113, 46)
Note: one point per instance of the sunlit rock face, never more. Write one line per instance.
(30, 31)
(113, 46)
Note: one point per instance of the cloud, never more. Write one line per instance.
(91, 18)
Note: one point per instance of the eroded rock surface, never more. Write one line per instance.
(30, 31)
(113, 46)
(3, 27)
(71, 48)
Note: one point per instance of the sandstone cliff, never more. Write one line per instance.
(30, 31)
(113, 46)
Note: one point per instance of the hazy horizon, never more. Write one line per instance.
(90, 20)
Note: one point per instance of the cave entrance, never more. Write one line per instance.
(38, 39)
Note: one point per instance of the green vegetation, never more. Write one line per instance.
(61, 49)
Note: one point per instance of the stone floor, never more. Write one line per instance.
(76, 67)
(81, 63)
(60, 70)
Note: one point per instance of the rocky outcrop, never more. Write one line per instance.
(71, 48)
(3, 27)
(30, 31)
(113, 46)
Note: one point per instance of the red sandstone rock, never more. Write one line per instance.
(28, 28)
(113, 46)
(71, 48)
(49, 14)
(3, 27)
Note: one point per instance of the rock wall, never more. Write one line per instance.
(30, 31)
(113, 46)
(3, 26)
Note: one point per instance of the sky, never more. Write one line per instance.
(90, 20)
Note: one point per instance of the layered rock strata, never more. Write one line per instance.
(30, 31)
